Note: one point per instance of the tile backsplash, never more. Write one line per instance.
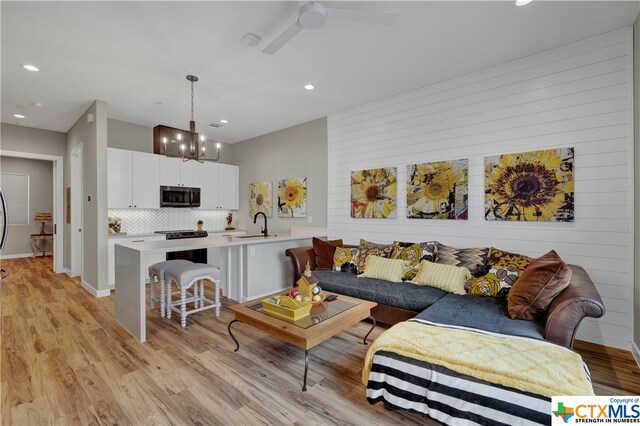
(142, 221)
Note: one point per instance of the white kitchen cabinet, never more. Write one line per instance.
(219, 186)
(175, 172)
(119, 178)
(130, 177)
(151, 259)
(209, 193)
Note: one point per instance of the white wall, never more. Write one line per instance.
(636, 87)
(577, 95)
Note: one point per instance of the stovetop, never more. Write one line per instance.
(184, 233)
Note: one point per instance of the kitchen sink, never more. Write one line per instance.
(255, 236)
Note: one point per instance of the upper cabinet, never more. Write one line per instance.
(130, 175)
(134, 180)
(175, 172)
(219, 184)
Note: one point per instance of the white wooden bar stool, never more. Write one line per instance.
(156, 271)
(186, 276)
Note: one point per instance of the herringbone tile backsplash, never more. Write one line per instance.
(142, 221)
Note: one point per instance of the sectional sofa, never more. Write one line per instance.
(399, 302)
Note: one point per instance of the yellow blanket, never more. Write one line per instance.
(532, 366)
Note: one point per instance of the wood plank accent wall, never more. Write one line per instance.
(578, 95)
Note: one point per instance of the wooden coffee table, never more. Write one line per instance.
(325, 321)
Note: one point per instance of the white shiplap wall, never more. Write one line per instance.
(578, 95)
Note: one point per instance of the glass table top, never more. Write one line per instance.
(319, 313)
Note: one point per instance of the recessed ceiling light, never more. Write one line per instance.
(29, 67)
(522, 2)
(309, 86)
(18, 115)
(224, 121)
(37, 104)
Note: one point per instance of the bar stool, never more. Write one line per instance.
(186, 276)
(156, 271)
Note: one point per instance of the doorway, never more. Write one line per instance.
(58, 234)
(76, 267)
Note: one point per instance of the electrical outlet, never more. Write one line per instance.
(252, 250)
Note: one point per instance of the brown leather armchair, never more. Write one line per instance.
(579, 300)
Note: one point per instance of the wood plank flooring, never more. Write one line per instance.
(65, 360)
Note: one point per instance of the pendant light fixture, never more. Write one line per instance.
(192, 149)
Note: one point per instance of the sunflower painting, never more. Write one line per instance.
(530, 186)
(292, 197)
(260, 196)
(438, 190)
(373, 193)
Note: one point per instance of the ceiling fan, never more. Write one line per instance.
(314, 15)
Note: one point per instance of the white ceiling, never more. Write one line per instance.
(134, 55)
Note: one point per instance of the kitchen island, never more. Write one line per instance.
(250, 266)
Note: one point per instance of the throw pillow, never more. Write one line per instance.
(445, 277)
(368, 248)
(470, 258)
(494, 281)
(484, 286)
(502, 259)
(383, 268)
(411, 254)
(538, 285)
(344, 256)
(323, 251)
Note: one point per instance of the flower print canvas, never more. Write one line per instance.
(530, 186)
(292, 197)
(438, 190)
(260, 198)
(373, 193)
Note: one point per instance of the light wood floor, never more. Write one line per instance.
(65, 360)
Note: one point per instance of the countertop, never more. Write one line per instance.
(153, 234)
(163, 246)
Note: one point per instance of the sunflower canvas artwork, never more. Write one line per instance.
(292, 197)
(530, 186)
(438, 190)
(260, 198)
(373, 193)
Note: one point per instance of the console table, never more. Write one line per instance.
(42, 239)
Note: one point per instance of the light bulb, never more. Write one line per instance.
(218, 145)
(203, 148)
(164, 141)
(522, 2)
(202, 138)
(179, 136)
(181, 147)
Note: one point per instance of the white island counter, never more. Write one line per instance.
(250, 267)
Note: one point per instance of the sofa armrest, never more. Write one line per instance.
(299, 257)
(579, 300)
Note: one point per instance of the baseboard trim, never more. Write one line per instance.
(93, 291)
(16, 256)
(635, 352)
(66, 271)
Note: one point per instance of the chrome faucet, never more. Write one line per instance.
(265, 231)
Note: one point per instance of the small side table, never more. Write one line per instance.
(42, 239)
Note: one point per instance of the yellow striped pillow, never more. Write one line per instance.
(383, 268)
(445, 277)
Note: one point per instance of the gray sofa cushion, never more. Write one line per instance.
(399, 295)
(485, 313)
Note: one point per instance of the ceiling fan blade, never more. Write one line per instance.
(360, 16)
(283, 38)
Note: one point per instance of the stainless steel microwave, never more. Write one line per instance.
(179, 196)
